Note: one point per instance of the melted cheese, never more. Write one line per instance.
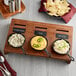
(42, 44)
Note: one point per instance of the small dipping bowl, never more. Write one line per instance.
(57, 45)
(39, 43)
(15, 41)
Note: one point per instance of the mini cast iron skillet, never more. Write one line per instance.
(44, 49)
(18, 46)
(67, 53)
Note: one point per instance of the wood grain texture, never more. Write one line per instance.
(37, 66)
(31, 27)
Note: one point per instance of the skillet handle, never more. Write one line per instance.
(47, 53)
(23, 50)
(72, 58)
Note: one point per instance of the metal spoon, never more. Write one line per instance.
(2, 72)
(2, 61)
(5, 71)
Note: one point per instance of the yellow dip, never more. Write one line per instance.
(38, 43)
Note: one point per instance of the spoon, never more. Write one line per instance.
(5, 71)
(2, 61)
(2, 72)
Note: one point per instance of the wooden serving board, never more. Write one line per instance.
(4, 9)
(51, 32)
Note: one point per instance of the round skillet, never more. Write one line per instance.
(44, 49)
(68, 51)
(18, 46)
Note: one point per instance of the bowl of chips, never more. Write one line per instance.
(58, 8)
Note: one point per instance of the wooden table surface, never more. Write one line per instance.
(37, 66)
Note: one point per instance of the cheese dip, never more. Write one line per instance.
(38, 43)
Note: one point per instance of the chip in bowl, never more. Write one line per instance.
(57, 7)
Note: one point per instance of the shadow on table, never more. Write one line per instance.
(1, 18)
(52, 19)
(35, 59)
(3, 36)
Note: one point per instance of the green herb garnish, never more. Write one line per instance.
(39, 39)
(36, 45)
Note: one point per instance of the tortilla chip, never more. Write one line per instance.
(67, 17)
